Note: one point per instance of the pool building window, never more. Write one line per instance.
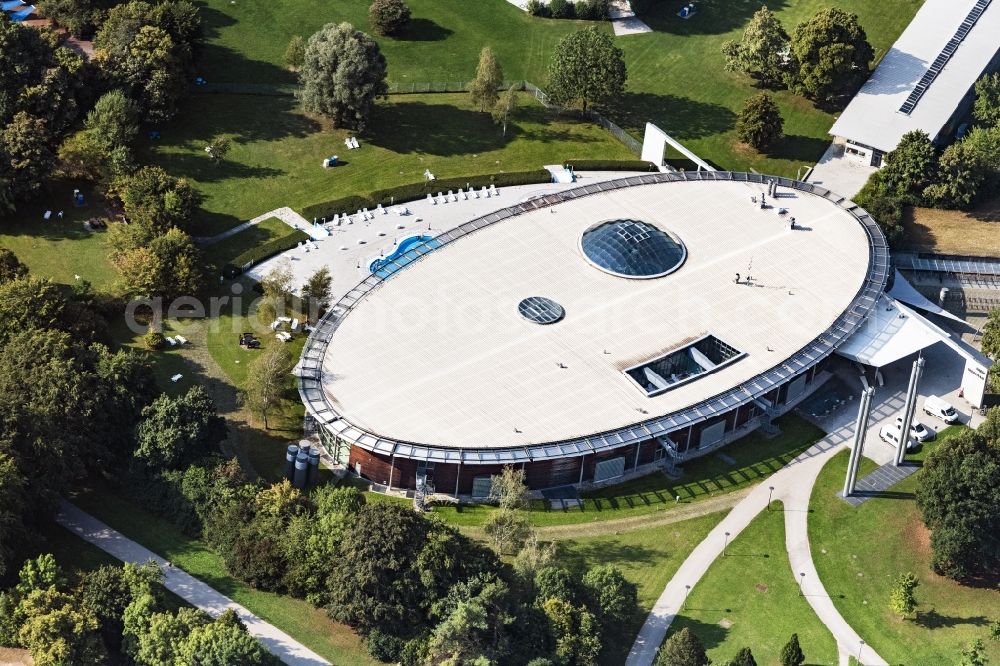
(680, 366)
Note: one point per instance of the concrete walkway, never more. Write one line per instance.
(285, 214)
(793, 486)
(184, 585)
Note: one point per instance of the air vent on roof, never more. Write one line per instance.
(946, 53)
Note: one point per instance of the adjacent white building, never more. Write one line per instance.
(925, 81)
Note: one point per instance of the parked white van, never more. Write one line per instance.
(940, 408)
(891, 435)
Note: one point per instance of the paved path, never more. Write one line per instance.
(184, 585)
(285, 214)
(879, 481)
(793, 486)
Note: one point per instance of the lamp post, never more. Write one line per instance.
(725, 544)
(802, 577)
(770, 491)
(860, 648)
(687, 591)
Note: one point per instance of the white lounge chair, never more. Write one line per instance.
(381, 210)
(295, 324)
(441, 198)
(365, 213)
(486, 192)
(47, 215)
(347, 142)
(461, 193)
(452, 197)
(170, 341)
(493, 190)
(176, 378)
(430, 198)
(475, 195)
(285, 320)
(181, 340)
(275, 324)
(355, 143)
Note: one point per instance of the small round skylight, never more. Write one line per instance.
(540, 310)
(632, 249)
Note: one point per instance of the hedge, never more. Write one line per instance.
(611, 165)
(414, 191)
(255, 255)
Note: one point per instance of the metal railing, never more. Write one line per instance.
(876, 277)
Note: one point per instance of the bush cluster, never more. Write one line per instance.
(414, 191)
(257, 254)
(585, 10)
(610, 165)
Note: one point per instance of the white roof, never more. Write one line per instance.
(873, 117)
(439, 355)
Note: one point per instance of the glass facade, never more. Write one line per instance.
(632, 249)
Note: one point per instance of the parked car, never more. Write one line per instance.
(940, 408)
(918, 430)
(891, 435)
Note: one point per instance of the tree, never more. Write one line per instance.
(555, 582)
(830, 55)
(759, 123)
(343, 73)
(902, 601)
(743, 658)
(74, 15)
(222, 643)
(154, 198)
(962, 174)
(153, 69)
(13, 502)
(388, 17)
(987, 106)
(587, 68)
(683, 648)
(108, 590)
(114, 120)
(174, 432)
(763, 51)
(578, 639)
(218, 148)
(295, 53)
(59, 630)
(316, 292)
(974, 654)
(507, 526)
(489, 78)
(267, 380)
(911, 167)
(791, 654)
(26, 156)
(505, 106)
(958, 496)
(169, 266)
(11, 267)
(613, 598)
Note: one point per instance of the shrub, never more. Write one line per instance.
(759, 123)
(562, 9)
(387, 17)
(537, 8)
(264, 251)
(154, 340)
(611, 165)
(884, 207)
(592, 10)
(384, 647)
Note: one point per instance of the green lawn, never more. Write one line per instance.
(648, 557)
(227, 249)
(300, 620)
(676, 74)
(750, 598)
(860, 552)
(756, 455)
(277, 152)
(59, 249)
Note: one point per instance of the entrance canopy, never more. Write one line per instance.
(903, 291)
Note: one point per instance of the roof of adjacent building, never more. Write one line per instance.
(439, 354)
(873, 117)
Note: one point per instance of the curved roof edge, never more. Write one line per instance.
(321, 410)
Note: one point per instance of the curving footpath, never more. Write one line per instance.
(184, 585)
(792, 485)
